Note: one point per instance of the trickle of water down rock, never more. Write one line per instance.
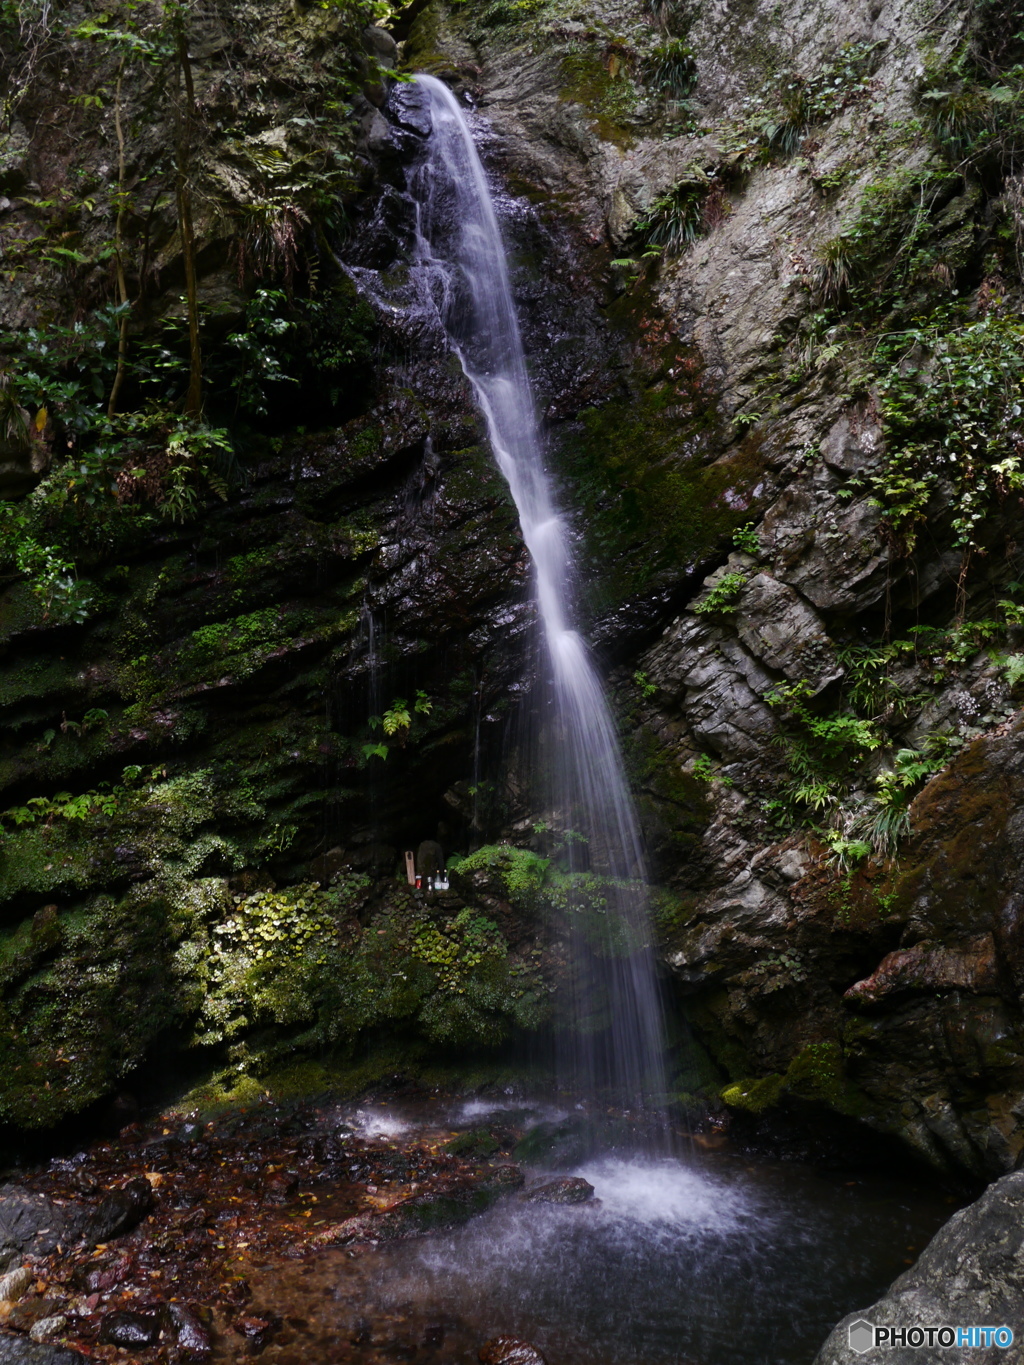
(615, 1043)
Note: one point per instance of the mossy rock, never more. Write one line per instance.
(816, 1075)
(478, 1142)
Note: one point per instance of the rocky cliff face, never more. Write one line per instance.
(820, 262)
(768, 264)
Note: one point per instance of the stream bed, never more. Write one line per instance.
(704, 1256)
(404, 1228)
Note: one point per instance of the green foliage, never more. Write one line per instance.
(832, 753)
(952, 398)
(521, 873)
(975, 108)
(821, 750)
(706, 770)
(646, 687)
(590, 905)
(777, 118)
(907, 240)
(890, 821)
(53, 579)
(257, 348)
(65, 806)
(676, 217)
(458, 947)
(845, 852)
(671, 69)
(721, 597)
(745, 538)
(397, 717)
(270, 961)
(396, 722)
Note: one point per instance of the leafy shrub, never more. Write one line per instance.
(671, 68)
(676, 217)
(952, 402)
(721, 598)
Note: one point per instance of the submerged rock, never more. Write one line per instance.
(509, 1351)
(572, 1189)
(257, 1328)
(971, 1272)
(422, 1213)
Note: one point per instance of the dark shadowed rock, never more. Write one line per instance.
(130, 1329)
(572, 1189)
(21, 1351)
(31, 1222)
(191, 1336)
(509, 1351)
(971, 1272)
(119, 1212)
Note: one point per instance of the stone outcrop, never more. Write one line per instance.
(970, 1274)
(817, 968)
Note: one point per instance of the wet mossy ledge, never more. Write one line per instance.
(248, 983)
(255, 988)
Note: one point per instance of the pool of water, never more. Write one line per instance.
(706, 1257)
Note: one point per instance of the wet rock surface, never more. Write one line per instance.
(206, 1252)
(568, 1190)
(22, 1351)
(32, 1223)
(972, 1272)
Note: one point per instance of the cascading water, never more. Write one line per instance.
(616, 1042)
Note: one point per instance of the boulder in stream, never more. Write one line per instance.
(192, 1337)
(571, 1189)
(130, 1329)
(970, 1274)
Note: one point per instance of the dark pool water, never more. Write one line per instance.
(708, 1258)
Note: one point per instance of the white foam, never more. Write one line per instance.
(371, 1123)
(666, 1192)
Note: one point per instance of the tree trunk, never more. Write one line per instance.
(194, 397)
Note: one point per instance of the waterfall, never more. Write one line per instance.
(616, 1041)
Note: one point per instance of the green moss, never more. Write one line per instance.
(817, 1074)
(673, 805)
(650, 503)
(520, 874)
(599, 81)
(755, 1096)
(478, 1142)
(423, 47)
(75, 1025)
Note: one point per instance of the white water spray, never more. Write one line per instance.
(460, 269)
